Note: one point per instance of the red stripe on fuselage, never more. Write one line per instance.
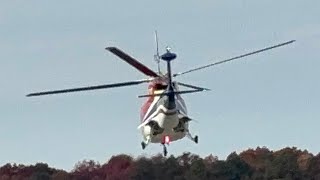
(145, 107)
(153, 86)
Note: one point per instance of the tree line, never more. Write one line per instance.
(254, 164)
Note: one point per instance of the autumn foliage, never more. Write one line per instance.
(259, 163)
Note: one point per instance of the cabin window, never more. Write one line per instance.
(160, 87)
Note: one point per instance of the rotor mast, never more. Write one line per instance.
(168, 57)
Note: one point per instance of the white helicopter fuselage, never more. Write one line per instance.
(163, 125)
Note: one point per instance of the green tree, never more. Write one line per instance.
(314, 167)
(143, 169)
(284, 165)
(118, 167)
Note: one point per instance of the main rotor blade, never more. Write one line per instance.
(192, 86)
(234, 58)
(89, 88)
(133, 62)
(167, 93)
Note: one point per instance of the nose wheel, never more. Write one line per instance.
(195, 139)
(143, 145)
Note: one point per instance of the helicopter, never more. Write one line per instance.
(163, 116)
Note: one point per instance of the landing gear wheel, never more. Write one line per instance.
(143, 145)
(165, 152)
(196, 139)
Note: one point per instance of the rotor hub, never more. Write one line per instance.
(168, 56)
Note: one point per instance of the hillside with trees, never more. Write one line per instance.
(253, 164)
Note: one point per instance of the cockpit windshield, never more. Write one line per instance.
(160, 87)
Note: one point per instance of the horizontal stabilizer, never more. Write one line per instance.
(175, 92)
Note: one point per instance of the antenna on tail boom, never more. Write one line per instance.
(156, 56)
